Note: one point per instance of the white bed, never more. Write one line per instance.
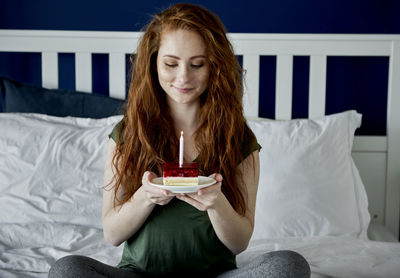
(312, 198)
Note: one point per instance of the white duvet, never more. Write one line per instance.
(51, 177)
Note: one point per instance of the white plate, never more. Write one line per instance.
(203, 182)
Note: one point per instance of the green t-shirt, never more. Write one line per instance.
(178, 238)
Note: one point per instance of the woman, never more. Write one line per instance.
(185, 77)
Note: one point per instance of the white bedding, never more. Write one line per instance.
(328, 256)
(51, 174)
(336, 256)
(34, 247)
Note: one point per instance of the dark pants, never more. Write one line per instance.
(282, 264)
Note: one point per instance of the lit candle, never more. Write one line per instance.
(181, 150)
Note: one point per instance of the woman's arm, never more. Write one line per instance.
(121, 222)
(232, 229)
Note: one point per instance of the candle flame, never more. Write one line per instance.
(181, 132)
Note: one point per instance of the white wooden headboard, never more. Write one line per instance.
(377, 157)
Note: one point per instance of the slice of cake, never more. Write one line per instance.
(187, 174)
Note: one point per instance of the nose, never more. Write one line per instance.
(183, 74)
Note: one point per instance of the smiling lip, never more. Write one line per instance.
(183, 90)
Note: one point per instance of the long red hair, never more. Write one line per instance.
(148, 137)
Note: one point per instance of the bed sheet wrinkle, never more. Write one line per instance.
(332, 256)
(57, 188)
(36, 246)
(21, 274)
(63, 153)
(14, 162)
(17, 210)
(25, 152)
(50, 191)
(32, 206)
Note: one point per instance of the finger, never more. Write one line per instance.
(157, 197)
(214, 187)
(145, 177)
(148, 176)
(191, 201)
(151, 189)
(156, 191)
(216, 176)
(160, 200)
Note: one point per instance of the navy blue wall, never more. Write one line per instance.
(278, 16)
(363, 79)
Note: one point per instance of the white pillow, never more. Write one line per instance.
(51, 168)
(309, 185)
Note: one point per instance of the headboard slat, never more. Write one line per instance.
(251, 65)
(283, 91)
(312, 44)
(117, 75)
(83, 71)
(393, 132)
(317, 86)
(370, 144)
(50, 70)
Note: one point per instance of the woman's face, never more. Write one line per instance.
(182, 66)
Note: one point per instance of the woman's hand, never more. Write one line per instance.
(154, 194)
(205, 198)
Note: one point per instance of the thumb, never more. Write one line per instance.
(216, 176)
(148, 176)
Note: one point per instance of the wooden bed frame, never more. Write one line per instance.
(377, 157)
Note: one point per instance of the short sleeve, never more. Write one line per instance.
(250, 144)
(117, 133)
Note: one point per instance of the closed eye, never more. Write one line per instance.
(197, 66)
(171, 65)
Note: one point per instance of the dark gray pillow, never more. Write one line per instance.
(20, 97)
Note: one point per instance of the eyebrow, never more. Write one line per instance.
(191, 58)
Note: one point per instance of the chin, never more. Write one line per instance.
(183, 100)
